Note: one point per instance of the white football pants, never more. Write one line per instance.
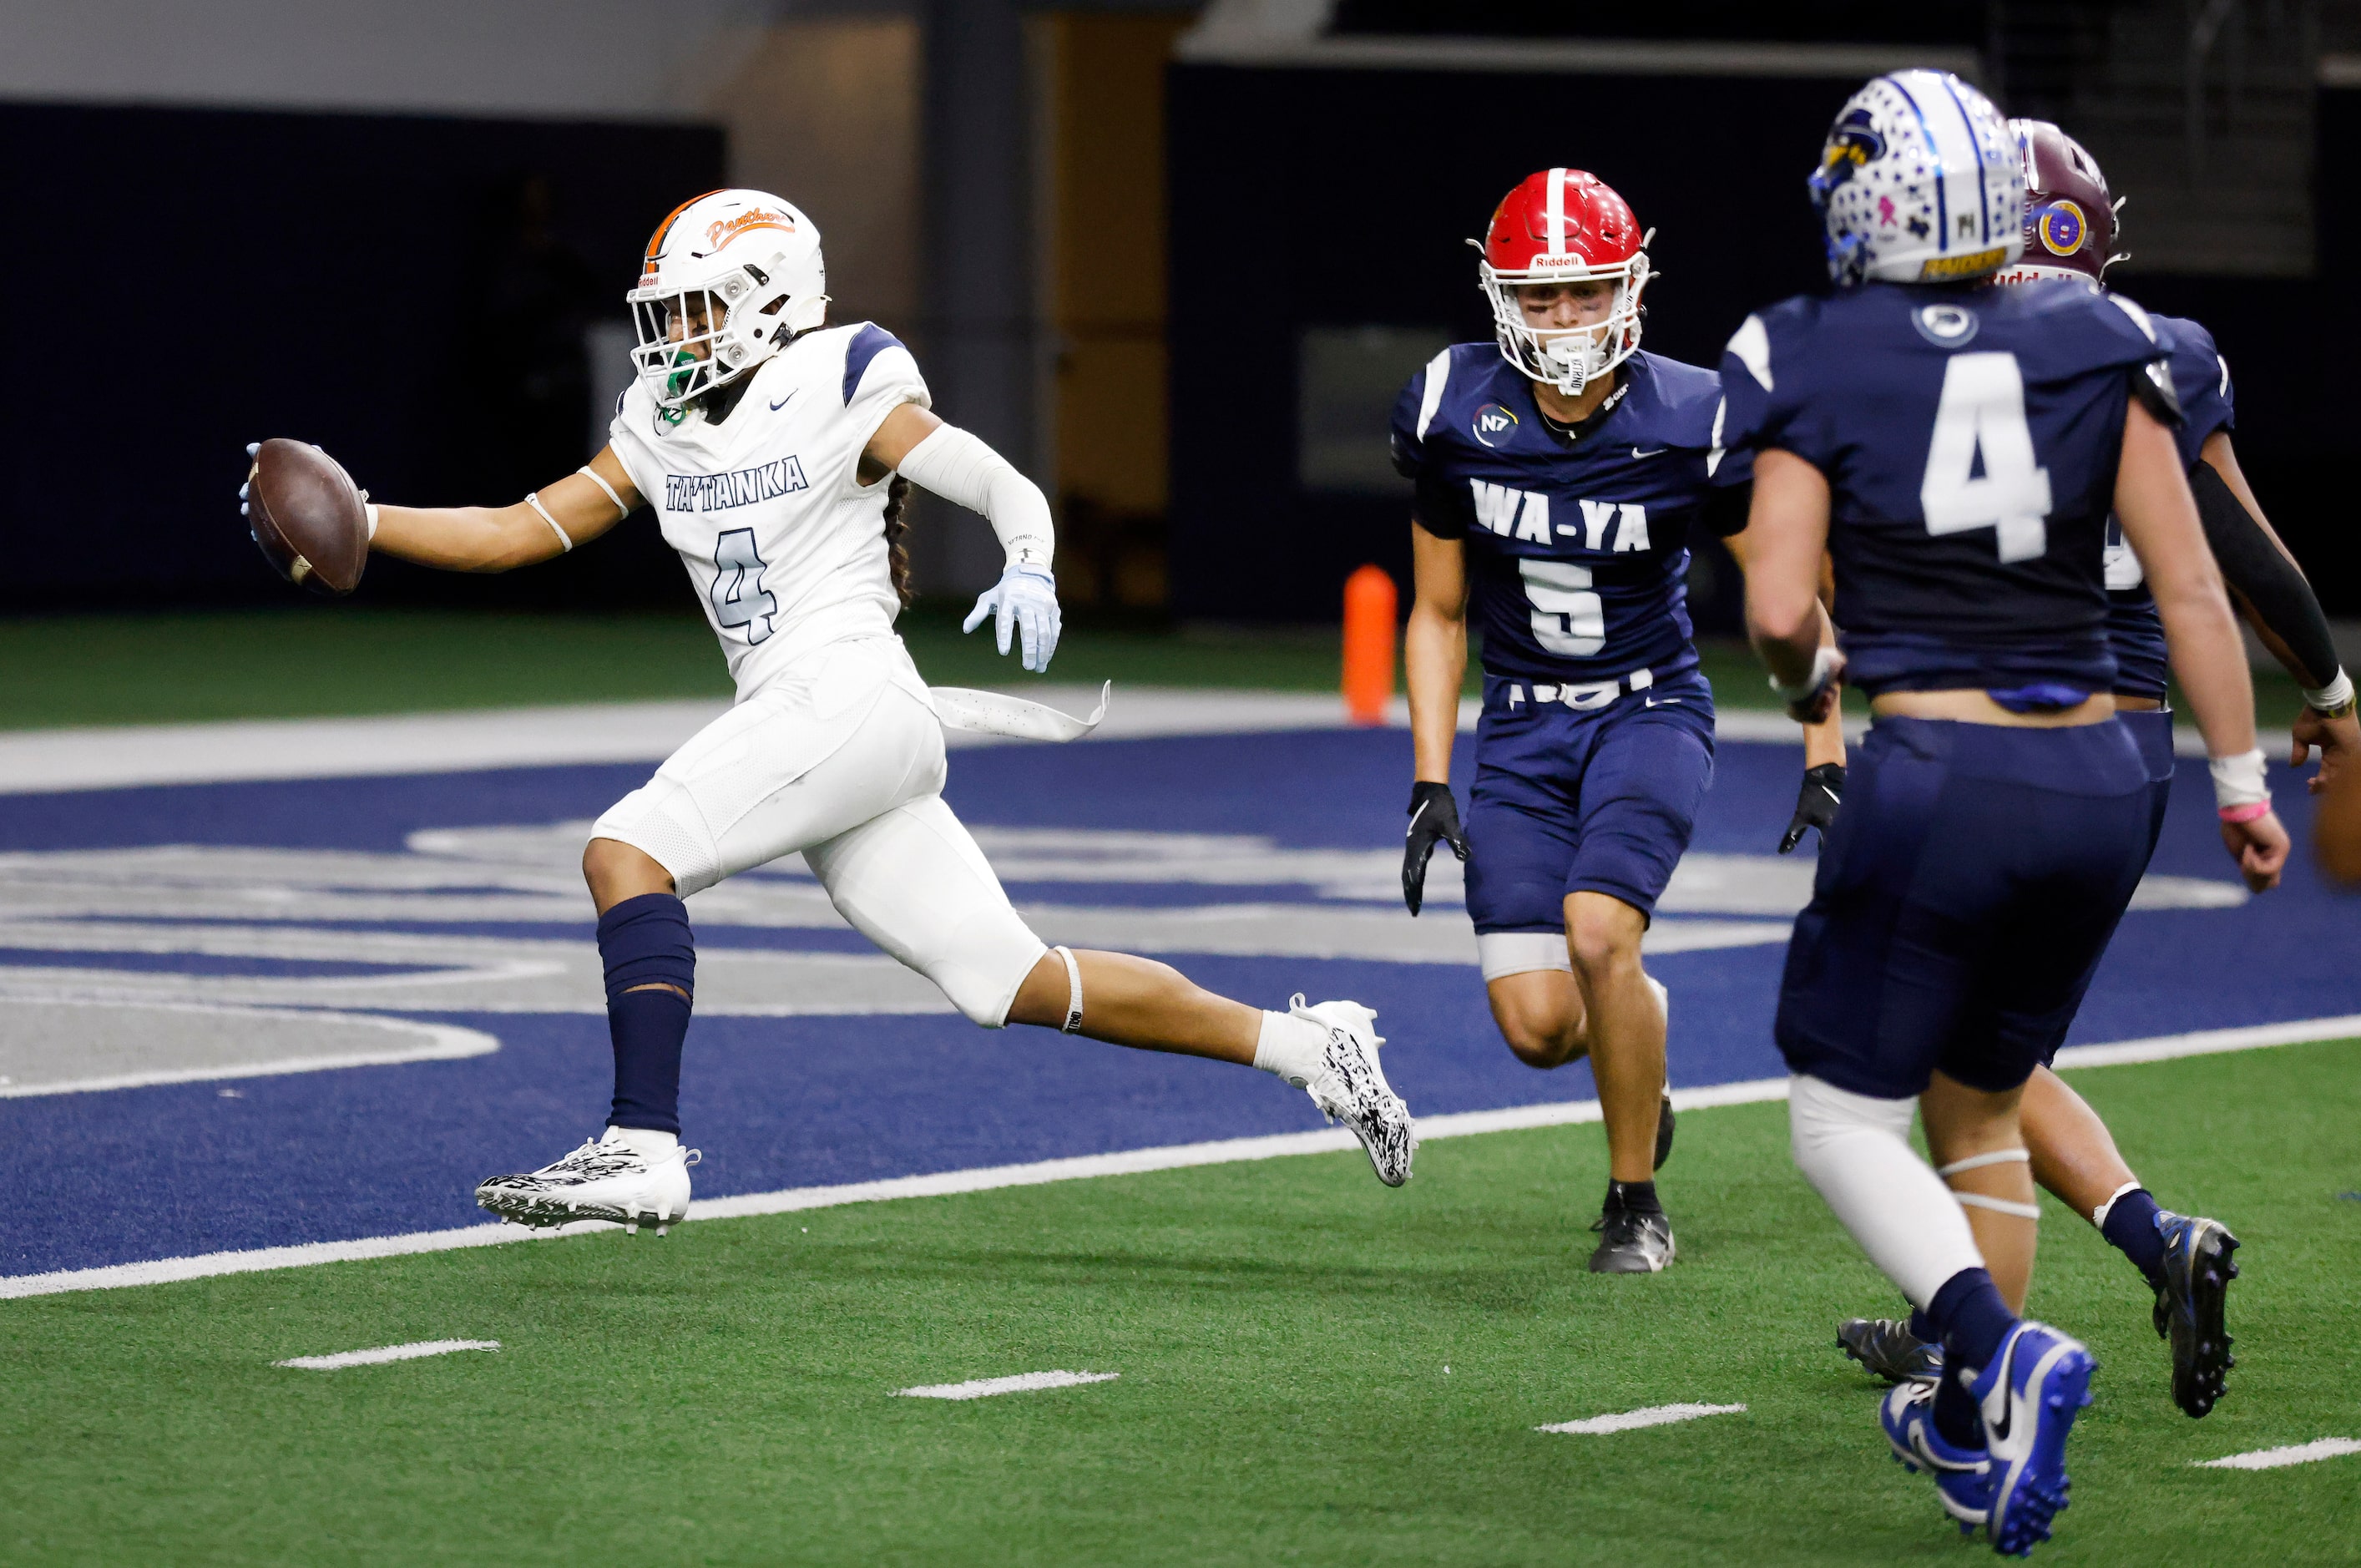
(842, 761)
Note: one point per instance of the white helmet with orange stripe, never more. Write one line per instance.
(1564, 225)
(728, 278)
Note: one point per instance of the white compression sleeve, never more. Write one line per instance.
(958, 467)
(1856, 1150)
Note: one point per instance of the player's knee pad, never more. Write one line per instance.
(661, 821)
(984, 966)
(1820, 1115)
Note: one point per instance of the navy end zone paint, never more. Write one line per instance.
(127, 1175)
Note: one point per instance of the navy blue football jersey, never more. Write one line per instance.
(1969, 439)
(1577, 544)
(2201, 377)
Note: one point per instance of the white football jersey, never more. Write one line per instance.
(785, 545)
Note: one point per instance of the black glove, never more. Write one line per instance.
(1433, 815)
(1816, 803)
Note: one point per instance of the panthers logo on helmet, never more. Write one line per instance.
(2061, 228)
(1852, 141)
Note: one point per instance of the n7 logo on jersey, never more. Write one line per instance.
(1983, 413)
(738, 598)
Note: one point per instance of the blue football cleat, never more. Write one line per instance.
(2197, 1275)
(2029, 1397)
(1963, 1476)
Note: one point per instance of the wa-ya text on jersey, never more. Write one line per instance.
(1969, 440)
(1576, 544)
(785, 545)
(2201, 377)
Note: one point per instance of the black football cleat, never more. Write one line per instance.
(1664, 1133)
(1887, 1347)
(1633, 1242)
(2189, 1307)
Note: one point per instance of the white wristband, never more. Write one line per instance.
(2334, 698)
(368, 509)
(1823, 659)
(2238, 781)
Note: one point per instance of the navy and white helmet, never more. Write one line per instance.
(1920, 182)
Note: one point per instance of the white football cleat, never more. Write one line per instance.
(1351, 1087)
(607, 1180)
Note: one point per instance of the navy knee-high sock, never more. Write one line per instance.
(1974, 1321)
(645, 942)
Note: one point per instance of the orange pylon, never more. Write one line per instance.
(1370, 606)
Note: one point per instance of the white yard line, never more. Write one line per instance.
(1632, 1420)
(1023, 1383)
(386, 1352)
(1125, 1162)
(2279, 1458)
(238, 750)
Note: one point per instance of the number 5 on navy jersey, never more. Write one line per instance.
(1982, 412)
(1568, 619)
(738, 596)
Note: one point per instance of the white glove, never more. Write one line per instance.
(1027, 597)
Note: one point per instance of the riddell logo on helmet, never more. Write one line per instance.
(1966, 265)
(722, 231)
(1545, 262)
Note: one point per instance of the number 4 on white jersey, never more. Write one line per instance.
(1983, 409)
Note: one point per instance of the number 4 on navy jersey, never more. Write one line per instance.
(1982, 415)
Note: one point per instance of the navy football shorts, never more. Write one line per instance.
(1963, 901)
(1570, 800)
(2151, 732)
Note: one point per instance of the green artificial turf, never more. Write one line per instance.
(1282, 1331)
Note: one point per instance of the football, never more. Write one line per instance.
(307, 517)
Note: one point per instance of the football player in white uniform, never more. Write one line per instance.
(774, 450)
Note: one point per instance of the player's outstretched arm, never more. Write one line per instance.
(1434, 664)
(2270, 591)
(2159, 521)
(958, 467)
(1789, 523)
(553, 520)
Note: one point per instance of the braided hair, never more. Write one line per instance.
(897, 531)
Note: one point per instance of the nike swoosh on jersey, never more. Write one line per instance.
(783, 403)
(1659, 451)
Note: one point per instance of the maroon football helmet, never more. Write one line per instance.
(2070, 220)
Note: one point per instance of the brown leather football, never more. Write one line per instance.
(307, 517)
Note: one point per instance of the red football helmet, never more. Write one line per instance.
(2069, 223)
(1564, 225)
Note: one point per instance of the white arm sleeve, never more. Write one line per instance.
(958, 467)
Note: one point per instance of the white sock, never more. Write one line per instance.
(1856, 1150)
(1290, 1047)
(646, 1140)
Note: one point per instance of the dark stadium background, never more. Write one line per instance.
(412, 290)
